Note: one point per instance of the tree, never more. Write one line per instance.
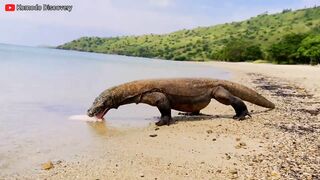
(240, 50)
(253, 52)
(310, 48)
(285, 51)
(180, 58)
(233, 51)
(286, 11)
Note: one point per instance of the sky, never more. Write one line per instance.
(107, 18)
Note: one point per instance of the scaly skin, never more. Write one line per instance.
(182, 94)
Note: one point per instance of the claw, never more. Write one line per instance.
(165, 121)
(242, 116)
(160, 123)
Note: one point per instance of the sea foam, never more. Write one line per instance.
(84, 118)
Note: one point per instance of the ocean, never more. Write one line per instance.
(41, 88)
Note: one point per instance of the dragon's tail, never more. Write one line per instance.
(246, 94)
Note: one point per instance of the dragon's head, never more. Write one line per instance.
(101, 105)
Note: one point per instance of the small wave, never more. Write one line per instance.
(84, 118)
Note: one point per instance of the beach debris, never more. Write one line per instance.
(47, 166)
(156, 129)
(233, 171)
(282, 90)
(274, 174)
(58, 162)
(153, 135)
(240, 145)
(141, 175)
(209, 131)
(299, 128)
(312, 112)
(228, 157)
(214, 139)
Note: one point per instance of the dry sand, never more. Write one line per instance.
(275, 144)
(302, 75)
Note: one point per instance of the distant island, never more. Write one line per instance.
(289, 37)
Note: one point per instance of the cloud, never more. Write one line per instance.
(127, 17)
(161, 3)
(310, 3)
(106, 16)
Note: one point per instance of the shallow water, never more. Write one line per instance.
(42, 88)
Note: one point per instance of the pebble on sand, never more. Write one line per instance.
(228, 157)
(240, 145)
(233, 171)
(153, 135)
(47, 166)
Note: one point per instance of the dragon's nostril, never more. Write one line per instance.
(89, 113)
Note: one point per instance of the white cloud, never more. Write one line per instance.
(91, 18)
(120, 17)
(161, 3)
(310, 3)
(105, 15)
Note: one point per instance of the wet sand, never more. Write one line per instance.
(275, 144)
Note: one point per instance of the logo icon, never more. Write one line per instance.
(10, 7)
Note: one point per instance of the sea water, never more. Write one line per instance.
(44, 92)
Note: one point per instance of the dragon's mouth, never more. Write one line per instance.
(101, 114)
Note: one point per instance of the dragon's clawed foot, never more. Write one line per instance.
(165, 120)
(242, 116)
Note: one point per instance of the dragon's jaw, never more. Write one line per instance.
(102, 113)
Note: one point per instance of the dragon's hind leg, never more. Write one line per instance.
(225, 97)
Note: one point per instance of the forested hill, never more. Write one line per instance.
(262, 37)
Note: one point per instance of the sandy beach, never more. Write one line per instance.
(278, 144)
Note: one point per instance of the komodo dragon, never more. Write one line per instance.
(182, 94)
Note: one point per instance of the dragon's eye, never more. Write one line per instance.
(96, 100)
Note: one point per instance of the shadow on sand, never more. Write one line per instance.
(201, 117)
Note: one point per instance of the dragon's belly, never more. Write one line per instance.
(190, 104)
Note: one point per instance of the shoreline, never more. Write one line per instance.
(282, 143)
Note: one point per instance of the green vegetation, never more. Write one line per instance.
(238, 50)
(297, 49)
(310, 49)
(287, 37)
(285, 51)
